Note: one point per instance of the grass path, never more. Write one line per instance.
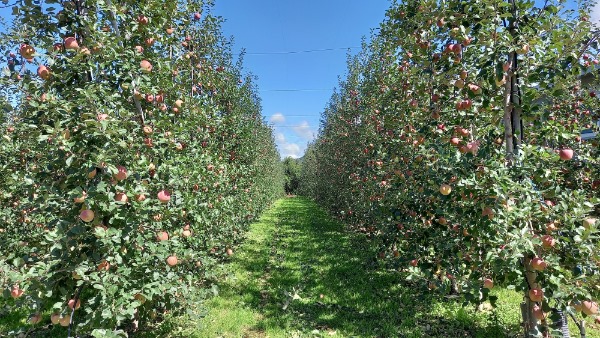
(301, 274)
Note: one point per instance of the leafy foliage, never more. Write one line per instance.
(291, 168)
(133, 158)
(450, 138)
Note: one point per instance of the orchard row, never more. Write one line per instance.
(455, 140)
(133, 158)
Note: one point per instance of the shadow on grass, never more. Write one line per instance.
(307, 273)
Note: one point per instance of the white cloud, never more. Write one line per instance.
(290, 150)
(277, 118)
(279, 138)
(595, 14)
(303, 130)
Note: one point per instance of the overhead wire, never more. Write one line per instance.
(297, 51)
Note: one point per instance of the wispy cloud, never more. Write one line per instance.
(277, 118)
(304, 131)
(279, 138)
(290, 150)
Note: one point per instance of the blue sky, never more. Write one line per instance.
(274, 26)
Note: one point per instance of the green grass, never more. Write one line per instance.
(294, 254)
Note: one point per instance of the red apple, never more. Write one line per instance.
(162, 236)
(87, 216)
(26, 51)
(72, 304)
(488, 283)
(164, 196)
(143, 20)
(589, 307)
(538, 264)
(121, 173)
(172, 260)
(55, 318)
(65, 320)
(414, 262)
(565, 154)
(538, 313)
(16, 292)
(43, 72)
(146, 66)
(197, 16)
(229, 252)
(548, 241)
(536, 294)
(121, 197)
(71, 43)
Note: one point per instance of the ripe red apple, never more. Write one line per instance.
(121, 173)
(164, 196)
(146, 66)
(538, 313)
(170, 30)
(140, 197)
(139, 49)
(488, 283)
(16, 292)
(147, 130)
(143, 20)
(548, 241)
(538, 264)
(414, 262)
(26, 51)
(121, 197)
(565, 154)
(65, 320)
(162, 236)
(197, 16)
(43, 72)
(186, 233)
(536, 294)
(55, 318)
(86, 215)
(589, 307)
(445, 189)
(71, 43)
(172, 260)
(72, 304)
